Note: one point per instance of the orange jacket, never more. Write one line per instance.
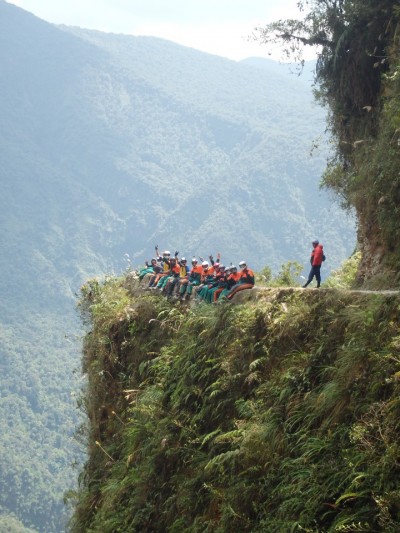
(198, 269)
(246, 276)
(207, 275)
(175, 269)
(211, 270)
(235, 276)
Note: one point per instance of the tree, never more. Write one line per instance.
(357, 47)
(288, 276)
(352, 38)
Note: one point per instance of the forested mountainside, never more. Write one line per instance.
(279, 414)
(177, 136)
(109, 145)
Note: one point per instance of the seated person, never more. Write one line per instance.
(164, 261)
(193, 280)
(246, 280)
(231, 281)
(151, 268)
(173, 271)
(219, 282)
(182, 275)
(207, 276)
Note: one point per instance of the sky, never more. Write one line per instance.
(219, 27)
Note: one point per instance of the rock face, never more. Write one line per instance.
(132, 283)
(373, 256)
(248, 295)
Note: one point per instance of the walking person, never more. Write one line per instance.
(316, 259)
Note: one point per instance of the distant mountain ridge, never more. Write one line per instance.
(234, 109)
(109, 145)
(304, 73)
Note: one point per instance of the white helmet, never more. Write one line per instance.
(183, 259)
(166, 252)
(242, 263)
(204, 264)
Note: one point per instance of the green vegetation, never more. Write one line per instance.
(11, 524)
(38, 418)
(110, 144)
(277, 415)
(357, 78)
(345, 277)
(287, 276)
(280, 414)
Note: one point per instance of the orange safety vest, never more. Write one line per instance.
(235, 276)
(176, 269)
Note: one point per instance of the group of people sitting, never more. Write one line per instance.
(205, 280)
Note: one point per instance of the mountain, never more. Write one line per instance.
(305, 73)
(109, 145)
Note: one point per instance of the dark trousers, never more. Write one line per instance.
(315, 271)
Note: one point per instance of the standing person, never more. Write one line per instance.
(317, 256)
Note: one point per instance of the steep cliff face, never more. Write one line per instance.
(357, 78)
(372, 184)
(360, 78)
(279, 414)
(376, 189)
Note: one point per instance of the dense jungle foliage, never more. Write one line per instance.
(280, 414)
(110, 144)
(358, 79)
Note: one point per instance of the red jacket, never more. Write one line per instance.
(316, 255)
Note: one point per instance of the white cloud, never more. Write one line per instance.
(229, 40)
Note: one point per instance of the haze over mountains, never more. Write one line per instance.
(111, 144)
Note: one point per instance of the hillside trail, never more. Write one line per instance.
(135, 287)
(389, 292)
(270, 293)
